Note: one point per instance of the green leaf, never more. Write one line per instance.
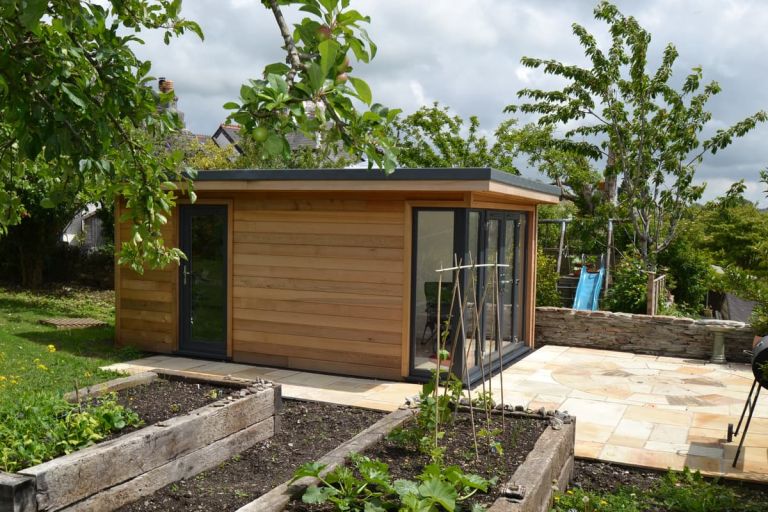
(73, 97)
(329, 5)
(329, 49)
(231, 105)
(47, 203)
(362, 88)
(312, 469)
(316, 76)
(405, 487)
(277, 68)
(441, 492)
(315, 495)
(357, 48)
(274, 144)
(31, 12)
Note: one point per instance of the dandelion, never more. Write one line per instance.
(87, 374)
(41, 366)
(585, 499)
(51, 348)
(569, 491)
(2, 378)
(603, 502)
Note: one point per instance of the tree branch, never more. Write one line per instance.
(293, 55)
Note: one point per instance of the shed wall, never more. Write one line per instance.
(146, 309)
(317, 284)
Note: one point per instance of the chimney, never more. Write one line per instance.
(164, 85)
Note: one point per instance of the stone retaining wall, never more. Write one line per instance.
(642, 334)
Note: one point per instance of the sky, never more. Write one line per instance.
(466, 55)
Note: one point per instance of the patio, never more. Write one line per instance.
(648, 411)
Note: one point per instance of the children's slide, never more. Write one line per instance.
(588, 289)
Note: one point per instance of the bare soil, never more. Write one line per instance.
(308, 430)
(517, 439)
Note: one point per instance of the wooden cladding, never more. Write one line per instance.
(317, 284)
(146, 312)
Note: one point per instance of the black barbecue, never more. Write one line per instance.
(759, 358)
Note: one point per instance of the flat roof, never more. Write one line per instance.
(377, 175)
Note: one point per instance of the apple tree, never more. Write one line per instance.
(315, 91)
(79, 121)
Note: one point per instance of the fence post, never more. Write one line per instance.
(650, 307)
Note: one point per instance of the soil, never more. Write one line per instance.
(308, 430)
(163, 399)
(404, 462)
(604, 477)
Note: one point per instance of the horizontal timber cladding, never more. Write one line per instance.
(318, 283)
(145, 316)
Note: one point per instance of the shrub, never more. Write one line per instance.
(628, 293)
(689, 275)
(546, 281)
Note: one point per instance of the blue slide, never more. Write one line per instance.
(588, 290)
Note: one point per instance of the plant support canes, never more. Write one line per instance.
(499, 336)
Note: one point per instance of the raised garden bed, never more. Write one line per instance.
(107, 475)
(535, 455)
(307, 431)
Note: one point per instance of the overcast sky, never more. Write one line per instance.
(466, 54)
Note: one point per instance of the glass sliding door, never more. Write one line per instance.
(499, 290)
(493, 315)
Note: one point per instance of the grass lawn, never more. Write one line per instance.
(37, 358)
(38, 364)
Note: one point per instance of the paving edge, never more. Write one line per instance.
(278, 498)
(550, 463)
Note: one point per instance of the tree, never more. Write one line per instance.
(432, 137)
(313, 92)
(646, 131)
(209, 156)
(78, 120)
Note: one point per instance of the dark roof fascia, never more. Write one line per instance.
(439, 174)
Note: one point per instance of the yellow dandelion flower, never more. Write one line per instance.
(88, 374)
(603, 502)
(569, 491)
(2, 378)
(42, 367)
(51, 348)
(14, 381)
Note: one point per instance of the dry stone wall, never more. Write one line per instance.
(641, 334)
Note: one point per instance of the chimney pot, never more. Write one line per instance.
(164, 85)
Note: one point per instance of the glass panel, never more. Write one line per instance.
(519, 278)
(507, 283)
(208, 285)
(434, 250)
(471, 319)
(490, 290)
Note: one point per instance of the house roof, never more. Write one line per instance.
(451, 179)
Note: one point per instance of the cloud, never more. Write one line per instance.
(467, 55)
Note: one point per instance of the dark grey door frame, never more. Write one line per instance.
(188, 274)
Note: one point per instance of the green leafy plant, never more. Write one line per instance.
(45, 426)
(688, 491)
(368, 486)
(546, 281)
(677, 491)
(628, 293)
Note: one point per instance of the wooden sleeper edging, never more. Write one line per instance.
(108, 475)
(278, 498)
(550, 464)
